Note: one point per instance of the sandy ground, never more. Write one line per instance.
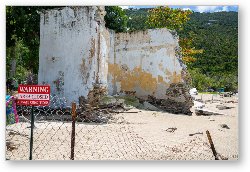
(134, 136)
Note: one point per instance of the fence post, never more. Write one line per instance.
(73, 130)
(31, 132)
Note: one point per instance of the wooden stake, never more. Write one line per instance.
(212, 145)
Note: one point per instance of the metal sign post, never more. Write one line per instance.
(33, 95)
(31, 131)
(73, 131)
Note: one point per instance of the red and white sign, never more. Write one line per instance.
(33, 95)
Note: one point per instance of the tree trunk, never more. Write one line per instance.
(13, 62)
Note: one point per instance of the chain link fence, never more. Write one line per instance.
(66, 133)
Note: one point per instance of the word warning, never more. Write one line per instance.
(33, 95)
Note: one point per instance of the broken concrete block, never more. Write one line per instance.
(149, 106)
(198, 104)
(193, 91)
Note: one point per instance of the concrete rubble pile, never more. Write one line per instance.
(88, 110)
(95, 95)
(177, 101)
(99, 107)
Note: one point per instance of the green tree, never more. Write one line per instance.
(116, 18)
(21, 53)
(173, 19)
(23, 23)
(137, 19)
(189, 51)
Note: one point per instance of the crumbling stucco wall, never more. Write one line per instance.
(74, 48)
(145, 62)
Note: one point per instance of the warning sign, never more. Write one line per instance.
(33, 95)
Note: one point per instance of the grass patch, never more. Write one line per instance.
(130, 100)
(208, 92)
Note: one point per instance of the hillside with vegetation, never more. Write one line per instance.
(217, 34)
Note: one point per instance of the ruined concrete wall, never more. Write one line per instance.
(79, 57)
(145, 62)
(74, 48)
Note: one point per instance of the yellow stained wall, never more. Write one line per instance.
(132, 79)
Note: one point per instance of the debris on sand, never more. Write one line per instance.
(222, 107)
(13, 133)
(154, 114)
(227, 94)
(195, 133)
(171, 130)
(224, 126)
(206, 112)
(231, 101)
(222, 157)
(10, 146)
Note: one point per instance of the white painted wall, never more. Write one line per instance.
(151, 50)
(67, 37)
